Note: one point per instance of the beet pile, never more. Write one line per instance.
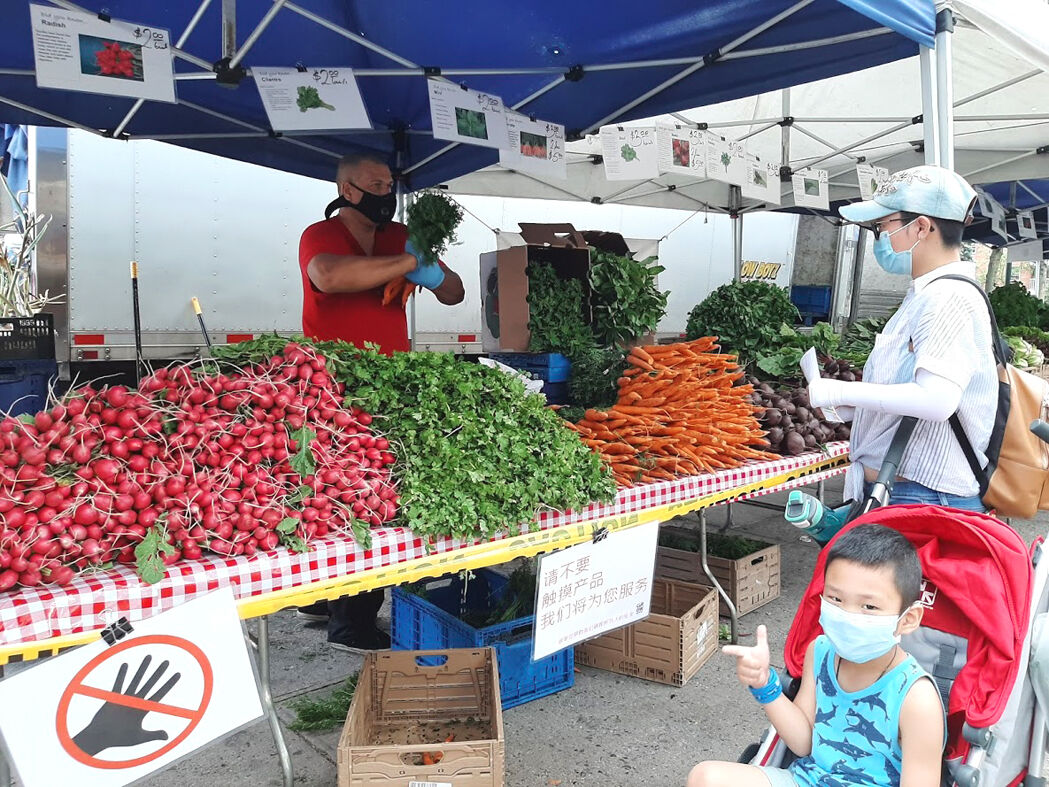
(197, 459)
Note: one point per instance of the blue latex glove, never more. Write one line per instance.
(426, 274)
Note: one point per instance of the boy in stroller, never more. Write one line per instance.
(865, 712)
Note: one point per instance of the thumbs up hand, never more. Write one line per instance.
(752, 662)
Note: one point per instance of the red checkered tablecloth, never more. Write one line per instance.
(93, 601)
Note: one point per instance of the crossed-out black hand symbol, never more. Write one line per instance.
(115, 724)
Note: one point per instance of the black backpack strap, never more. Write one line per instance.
(979, 472)
(881, 491)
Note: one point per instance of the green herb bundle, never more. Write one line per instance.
(556, 313)
(626, 302)
(745, 316)
(1014, 305)
(432, 221)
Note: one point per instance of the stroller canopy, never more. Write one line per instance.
(978, 585)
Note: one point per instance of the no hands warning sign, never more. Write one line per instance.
(111, 714)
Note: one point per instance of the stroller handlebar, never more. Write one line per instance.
(1040, 428)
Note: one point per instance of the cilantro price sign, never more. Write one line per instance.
(591, 588)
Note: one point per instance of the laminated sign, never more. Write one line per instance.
(467, 116)
(630, 152)
(114, 711)
(811, 189)
(535, 147)
(591, 588)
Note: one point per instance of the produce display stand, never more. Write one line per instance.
(36, 622)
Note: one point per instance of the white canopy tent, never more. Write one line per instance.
(984, 85)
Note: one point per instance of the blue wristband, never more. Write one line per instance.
(770, 691)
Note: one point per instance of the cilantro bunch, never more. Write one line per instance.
(432, 221)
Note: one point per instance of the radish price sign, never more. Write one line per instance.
(112, 714)
(594, 587)
(537, 147)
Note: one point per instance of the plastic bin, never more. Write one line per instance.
(433, 622)
(24, 385)
(548, 367)
(812, 302)
(556, 393)
(27, 338)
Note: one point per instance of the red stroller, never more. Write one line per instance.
(981, 640)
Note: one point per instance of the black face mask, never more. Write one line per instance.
(378, 210)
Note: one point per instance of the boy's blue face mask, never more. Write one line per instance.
(890, 260)
(859, 638)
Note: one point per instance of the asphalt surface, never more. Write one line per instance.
(607, 730)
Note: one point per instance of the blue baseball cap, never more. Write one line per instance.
(926, 190)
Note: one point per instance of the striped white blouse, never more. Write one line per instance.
(943, 328)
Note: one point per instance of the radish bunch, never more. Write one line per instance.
(194, 460)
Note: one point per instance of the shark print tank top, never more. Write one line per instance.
(856, 735)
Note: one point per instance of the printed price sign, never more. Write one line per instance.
(870, 179)
(73, 50)
(629, 152)
(761, 181)
(112, 714)
(591, 588)
(811, 189)
(467, 116)
(726, 160)
(682, 150)
(1025, 223)
(312, 100)
(536, 147)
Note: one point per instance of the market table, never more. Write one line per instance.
(39, 621)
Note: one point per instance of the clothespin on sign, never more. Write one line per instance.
(599, 533)
(117, 631)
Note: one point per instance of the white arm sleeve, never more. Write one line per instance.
(929, 398)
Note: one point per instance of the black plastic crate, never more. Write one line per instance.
(27, 338)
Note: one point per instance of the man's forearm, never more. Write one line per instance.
(450, 291)
(338, 273)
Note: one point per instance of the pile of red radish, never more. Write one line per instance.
(194, 460)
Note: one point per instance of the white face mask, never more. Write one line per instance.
(856, 637)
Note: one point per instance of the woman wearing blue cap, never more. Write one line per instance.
(934, 356)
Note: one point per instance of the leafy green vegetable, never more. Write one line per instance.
(309, 98)
(1014, 305)
(858, 341)
(595, 372)
(745, 316)
(1035, 336)
(1025, 354)
(325, 713)
(727, 547)
(302, 462)
(149, 561)
(475, 453)
(432, 221)
(556, 313)
(626, 302)
(785, 362)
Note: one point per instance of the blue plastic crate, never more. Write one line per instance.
(433, 622)
(24, 385)
(815, 300)
(548, 367)
(556, 393)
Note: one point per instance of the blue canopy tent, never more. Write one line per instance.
(582, 65)
(1014, 196)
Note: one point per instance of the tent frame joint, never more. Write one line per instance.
(431, 71)
(786, 122)
(575, 73)
(227, 76)
(945, 21)
(1042, 150)
(785, 173)
(917, 119)
(713, 57)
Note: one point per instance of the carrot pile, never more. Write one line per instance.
(399, 289)
(679, 412)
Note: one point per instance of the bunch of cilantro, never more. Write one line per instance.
(475, 453)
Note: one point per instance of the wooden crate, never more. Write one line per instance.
(750, 581)
(406, 704)
(670, 645)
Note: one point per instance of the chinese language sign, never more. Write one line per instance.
(591, 588)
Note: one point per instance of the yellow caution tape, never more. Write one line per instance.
(489, 553)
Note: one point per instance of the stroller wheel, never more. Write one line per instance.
(749, 753)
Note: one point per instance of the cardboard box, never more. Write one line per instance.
(504, 281)
(407, 704)
(750, 581)
(670, 645)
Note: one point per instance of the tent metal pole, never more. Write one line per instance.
(181, 43)
(735, 199)
(527, 100)
(1020, 157)
(999, 86)
(819, 139)
(229, 28)
(864, 141)
(758, 131)
(880, 119)
(979, 118)
(697, 66)
(552, 186)
(252, 127)
(784, 136)
(1028, 189)
(342, 31)
(57, 118)
(814, 44)
(258, 31)
(930, 116)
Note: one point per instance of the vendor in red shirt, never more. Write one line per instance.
(346, 261)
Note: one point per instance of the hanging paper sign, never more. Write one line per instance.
(313, 100)
(630, 152)
(993, 210)
(468, 116)
(682, 151)
(78, 51)
(112, 712)
(593, 587)
(811, 189)
(870, 178)
(726, 160)
(761, 181)
(536, 147)
(1025, 223)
